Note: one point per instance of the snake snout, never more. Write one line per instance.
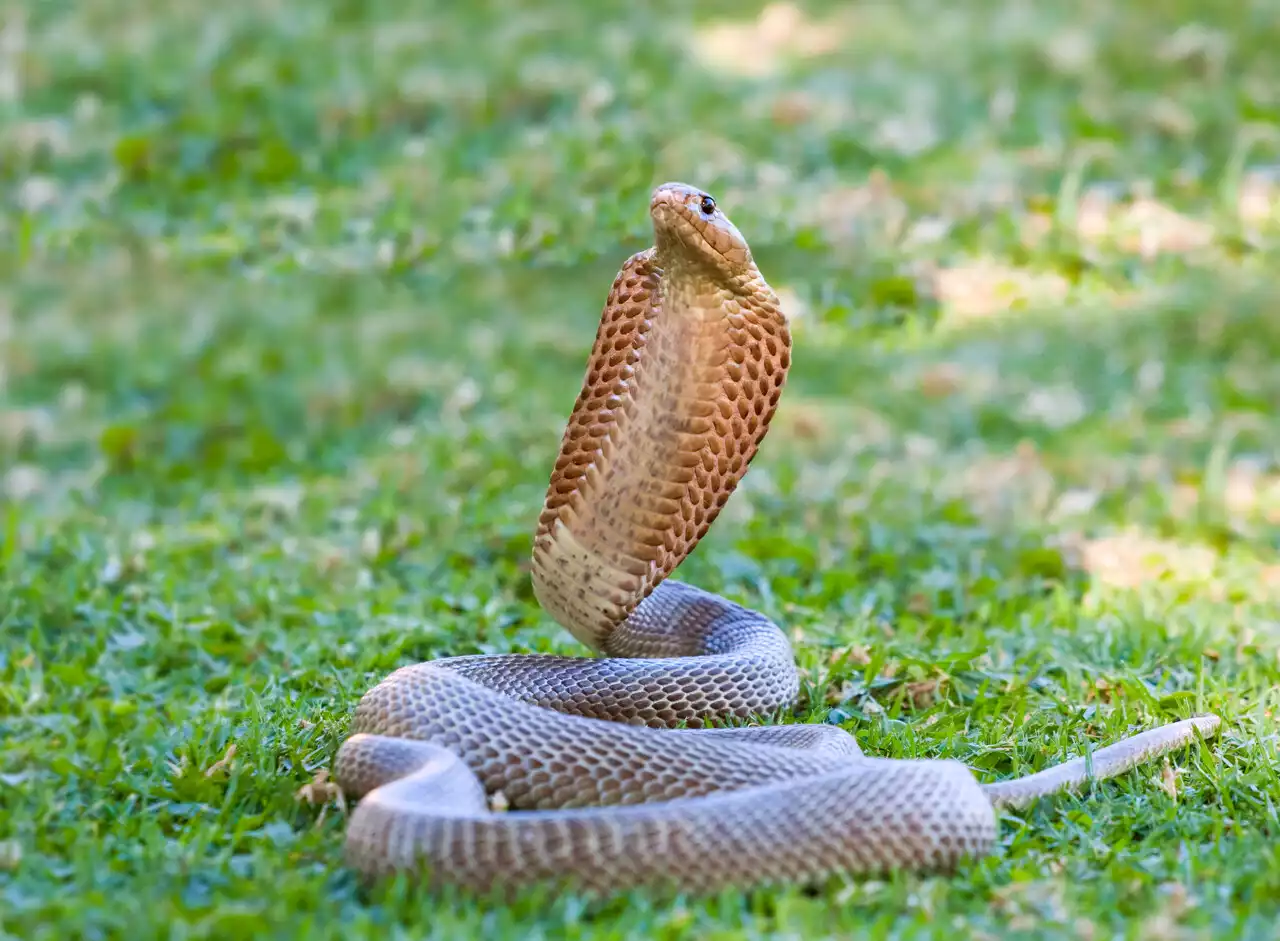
(674, 192)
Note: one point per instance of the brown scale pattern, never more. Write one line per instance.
(684, 656)
(601, 418)
(606, 389)
(671, 413)
(810, 827)
(609, 793)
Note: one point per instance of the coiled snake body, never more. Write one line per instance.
(614, 779)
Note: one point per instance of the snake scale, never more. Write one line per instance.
(614, 773)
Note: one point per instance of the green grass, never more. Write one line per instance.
(295, 298)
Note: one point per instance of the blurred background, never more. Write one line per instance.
(295, 298)
(239, 234)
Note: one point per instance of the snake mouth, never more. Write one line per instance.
(688, 225)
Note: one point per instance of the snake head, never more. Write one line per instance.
(689, 226)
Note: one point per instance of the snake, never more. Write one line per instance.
(647, 765)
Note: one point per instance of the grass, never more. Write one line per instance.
(295, 301)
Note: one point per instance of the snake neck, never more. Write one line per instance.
(682, 382)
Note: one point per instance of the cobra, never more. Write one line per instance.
(616, 768)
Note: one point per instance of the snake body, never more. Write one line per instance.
(613, 773)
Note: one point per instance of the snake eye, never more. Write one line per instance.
(708, 205)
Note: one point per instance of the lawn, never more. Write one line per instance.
(295, 299)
